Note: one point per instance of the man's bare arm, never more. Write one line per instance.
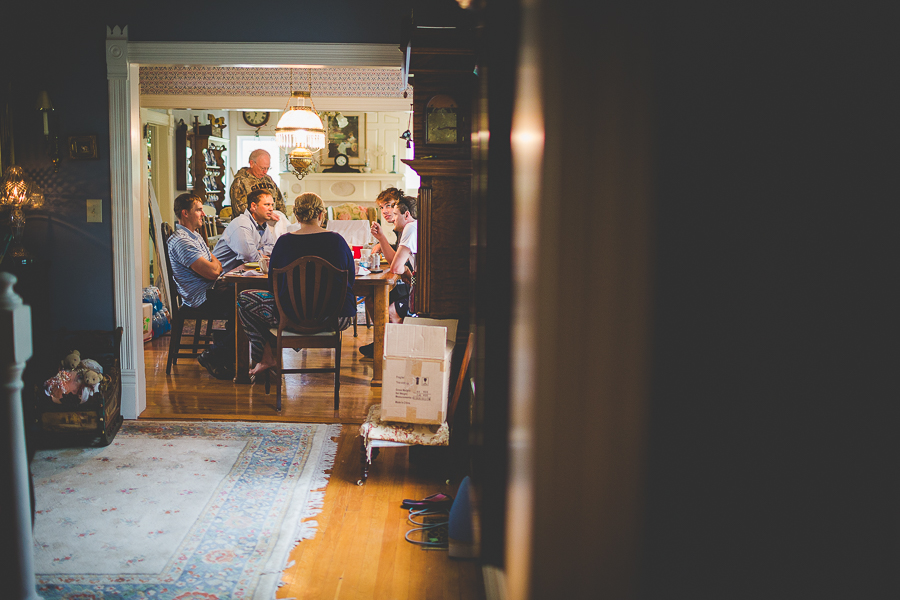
(398, 263)
(385, 248)
(207, 269)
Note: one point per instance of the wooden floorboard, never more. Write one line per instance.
(359, 550)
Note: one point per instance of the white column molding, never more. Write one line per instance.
(125, 217)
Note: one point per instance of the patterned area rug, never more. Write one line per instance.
(178, 510)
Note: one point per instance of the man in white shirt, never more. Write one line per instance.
(403, 260)
(249, 235)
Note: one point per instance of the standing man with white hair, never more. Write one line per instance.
(251, 178)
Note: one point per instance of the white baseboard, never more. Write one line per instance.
(494, 582)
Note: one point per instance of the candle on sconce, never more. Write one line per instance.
(395, 148)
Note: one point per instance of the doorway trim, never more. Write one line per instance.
(123, 59)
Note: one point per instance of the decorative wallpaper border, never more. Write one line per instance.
(246, 81)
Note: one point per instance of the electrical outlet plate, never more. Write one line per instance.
(94, 211)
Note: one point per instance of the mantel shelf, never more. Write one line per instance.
(439, 167)
(349, 175)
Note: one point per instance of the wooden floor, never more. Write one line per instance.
(359, 550)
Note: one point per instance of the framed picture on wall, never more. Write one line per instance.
(346, 133)
(82, 147)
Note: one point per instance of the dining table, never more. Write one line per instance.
(249, 277)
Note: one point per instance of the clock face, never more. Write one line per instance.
(256, 118)
(341, 160)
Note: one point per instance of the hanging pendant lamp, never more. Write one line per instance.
(299, 130)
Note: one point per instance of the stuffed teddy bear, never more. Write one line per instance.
(91, 375)
(90, 383)
(71, 361)
(83, 380)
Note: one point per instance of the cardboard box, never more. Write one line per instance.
(147, 321)
(416, 378)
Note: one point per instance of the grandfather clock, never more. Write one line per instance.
(440, 63)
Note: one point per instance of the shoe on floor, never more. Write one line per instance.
(219, 371)
(434, 501)
(368, 350)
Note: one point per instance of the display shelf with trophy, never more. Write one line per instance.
(201, 160)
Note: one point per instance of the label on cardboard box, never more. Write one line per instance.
(413, 390)
(147, 321)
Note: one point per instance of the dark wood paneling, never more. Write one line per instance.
(444, 216)
(449, 247)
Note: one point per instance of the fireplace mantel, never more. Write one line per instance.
(337, 188)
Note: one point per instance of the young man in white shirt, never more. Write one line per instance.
(403, 261)
(385, 202)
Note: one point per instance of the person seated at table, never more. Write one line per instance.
(281, 224)
(196, 272)
(257, 309)
(403, 261)
(385, 202)
(249, 235)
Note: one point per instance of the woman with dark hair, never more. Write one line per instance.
(257, 309)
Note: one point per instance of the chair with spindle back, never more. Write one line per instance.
(316, 293)
(209, 229)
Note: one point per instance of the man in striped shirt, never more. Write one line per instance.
(196, 272)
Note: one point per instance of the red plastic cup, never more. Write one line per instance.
(356, 253)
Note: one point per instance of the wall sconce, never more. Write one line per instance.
(51, 135)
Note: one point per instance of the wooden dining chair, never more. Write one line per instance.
(209, 229)
(181, 313)
(360, 300)
(377, 433)
(316, 291)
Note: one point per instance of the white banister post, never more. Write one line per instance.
(15, 349)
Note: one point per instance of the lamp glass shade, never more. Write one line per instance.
(300, 125)
(18, 190)
(43, 101)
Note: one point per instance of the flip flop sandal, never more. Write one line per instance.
(433, 501)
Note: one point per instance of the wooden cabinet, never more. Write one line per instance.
(442, 275)
(209, 169)
(201, 162)
(441, 63)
